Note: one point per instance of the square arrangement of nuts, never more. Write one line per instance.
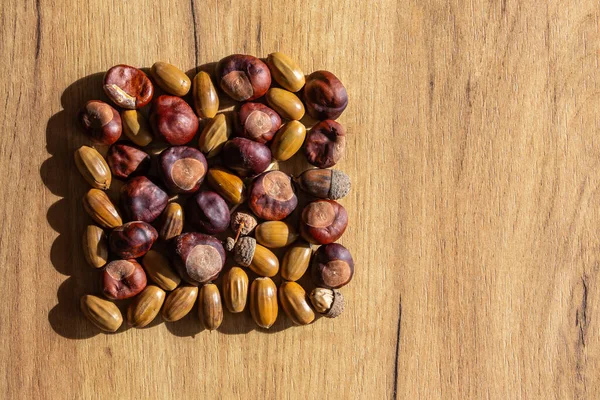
(167, 241)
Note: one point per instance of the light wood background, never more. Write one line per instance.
(474, 151)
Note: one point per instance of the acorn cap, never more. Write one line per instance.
(244, 250)
(338, 305)
(229, 244)
(247, 219)
(340, 184)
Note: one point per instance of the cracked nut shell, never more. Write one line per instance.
(329, 302)
(128, 87)
(325, 144)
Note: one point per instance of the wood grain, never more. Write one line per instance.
(474, 152)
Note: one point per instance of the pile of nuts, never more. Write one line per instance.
(225, 184)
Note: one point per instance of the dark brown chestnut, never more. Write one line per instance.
(182, 169)
(100, 122)
(128, 87)
(246, 157)
(208, 212)
(243, 77)
(132, 240)
(272, 196)
(332, 266)
(125, 160)
(325, 144)
(323, 221)
(198, 257)
(258, 122)
(142, 200)
(325, 96)
(123, 279)
(173, 120)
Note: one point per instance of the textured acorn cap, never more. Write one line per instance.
(229, 244)
(247, 219)
(338, 305)
(244, 250)
(340, 184)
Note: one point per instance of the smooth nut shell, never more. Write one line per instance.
(159, 270)
(214, 136)
(171, 222)
(288, 140)
(323, 221)
(271, 196)
(208, 212)
(275, 234)
(325, 96)
(286, 103)
(97, 204)
(293, 301)
(263, 302)
(104, 314)
(95, 246)
(285, 71)
(170, 78)
(264, 262)
(123, 279)
(332, 266)
(173, 120)
(227, 184)
(145, 307)
(245, 156)
(142, 200)
(128, 87)
(210, 307)
(243, 77)
(132, 240)
(235, 289)
(93, 167)
(100, 122)
(296, 261)
(206, 100)
(136, 127)
(126, 161)
(325, 144)
(179, 303)
(198, 258)
(324, 183)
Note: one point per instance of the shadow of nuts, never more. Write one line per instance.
(332, 266)
(323, 221)
(285, 71)
(258, 258)
(286, 103)
(97, 204)
(324, 183)
(171, 222)
(123, 279)
(275, 234)
(179, 303)
(263, 302)
(104, 314)
(210, 307)
(128, 87)
(258, 122)
(294, 302)
(206, 100)
(95, 246)
(136, 127)
(296, 261)
(93, 167)
(271, 196)
(288, 140)
(142, 200)
(132, 240)
(182, 169)
(243, 77)
(173, 120)
(197, 257)
(170, 78)
(325, 96)
(235, 289)
(325, 144)
(145, 307)
(329, 302)
(159, 270)
(126, 161)
(245, 156)
(227, 184)
(208, 212)
(100, 122)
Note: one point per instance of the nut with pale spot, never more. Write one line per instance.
(198, 257)
(258, 122)
(123, 279)
(243, 77)
(272, 196)
(128, 87)
(323, 221)
(325, 144)
(332, 266)
(182, 169)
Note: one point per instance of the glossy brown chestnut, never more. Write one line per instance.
(173, 120)
(332, 266)
(324, 183)
(272, 196)
(125, 160)
(198, 257)
(258, 122)
(208, 212)
(132, 240)
(128, 87)
(243, 77)
(142, 200)
(182, 169)
(325, 144)
(100, 122)
(323, 221)
(325, 96)
(246, 157)
(123, 279)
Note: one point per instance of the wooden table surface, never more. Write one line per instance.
(474, 151)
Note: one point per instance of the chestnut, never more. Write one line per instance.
(123, 279)
(258, 122)
(325, 144)
(173, 120)
(332, 266)
(125, 160)
(198, 257)
(128, 87)
(243, 77)
(325, 96)
(323, 221)
(246, 157)
(132, 240)
(208, 212)
(272, 196)
(182, 169)
(100, 122)
(142, 200)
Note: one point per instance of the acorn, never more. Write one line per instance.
(324, 183)
(329, 302)
(97, 204)
(293, 301)
(275, 234)
(263, 302)
(258, 258)
(179, 303)
(235, 289)
(227, 184)
(210, 307)
(296, 261)
(159, 269)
